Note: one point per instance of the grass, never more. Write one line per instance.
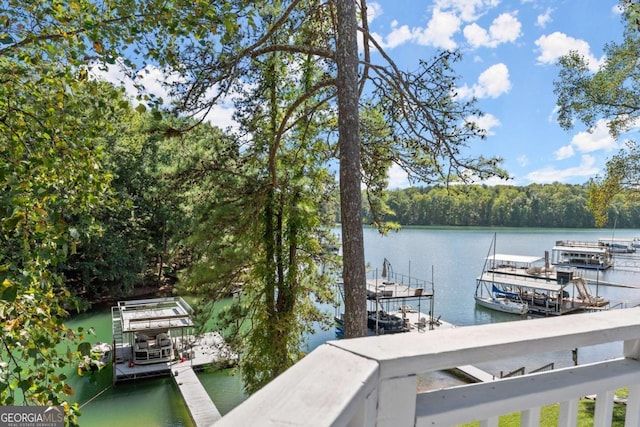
(549, 414)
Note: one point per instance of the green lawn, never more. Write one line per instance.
(549, 414)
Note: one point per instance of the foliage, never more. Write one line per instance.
(611, 93)
(262, 229)
(52, 182)
(134, 247)
(535, 205)
(258, 201)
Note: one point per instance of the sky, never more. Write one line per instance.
(510, 49)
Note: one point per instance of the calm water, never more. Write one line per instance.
(452, 256)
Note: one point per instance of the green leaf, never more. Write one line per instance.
(9, 293)
(84, 348)
(24, 385)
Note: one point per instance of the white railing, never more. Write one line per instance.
(373, 381)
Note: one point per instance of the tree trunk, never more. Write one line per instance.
(354, 276)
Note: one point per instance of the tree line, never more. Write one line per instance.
(534, 205)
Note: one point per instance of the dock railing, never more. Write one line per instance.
(372, 381)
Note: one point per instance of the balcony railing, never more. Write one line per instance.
(373, 381)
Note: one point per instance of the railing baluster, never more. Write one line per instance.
(491, 422)
(633, 407)
(373, 381)
(568, 416)
(631, 349)
(604, 409)
(530, 418)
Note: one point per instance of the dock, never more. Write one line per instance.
(156, 337)
(201, 408)
(197, 353)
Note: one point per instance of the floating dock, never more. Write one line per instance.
(197, 353)
(155, 337)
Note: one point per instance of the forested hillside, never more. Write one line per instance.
(535, 205)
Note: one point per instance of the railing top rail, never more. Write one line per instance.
(329, 386)
(318, 390)
(400, 354)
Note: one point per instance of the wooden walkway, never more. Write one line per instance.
(203, 411)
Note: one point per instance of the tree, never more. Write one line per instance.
(611, 93)
(51, 180)
(353, 269)
(51, 127)
(420, 109)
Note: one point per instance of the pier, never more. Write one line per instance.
(155, 337)
(201, 408)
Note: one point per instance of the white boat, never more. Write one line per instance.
(502, 304)
(489, 296)
(618, 246)
(589, 255)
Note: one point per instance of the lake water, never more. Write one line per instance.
(453, 257)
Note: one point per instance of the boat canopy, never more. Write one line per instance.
(581, 250)
(519, 259)
(155, 313)
(505, 293)
(521, 282)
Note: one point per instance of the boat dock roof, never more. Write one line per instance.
(157, 313)
(385, 289)
(519, 259)
(581, 249)
(522, 281)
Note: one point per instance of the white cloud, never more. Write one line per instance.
(397, 36)
(438, 33)
(558, 44)
(221, 115)
(505, 28)
(564, 152)
(476, 35)
(155, 80)
(545, 18)
(486, 122)
(523, 160)
(398, 178)
(597, 138)
(493, 82)
(550, 174)
(440, 30)
(374, 10)
(468, 10)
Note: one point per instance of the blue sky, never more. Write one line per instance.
(510, 49)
